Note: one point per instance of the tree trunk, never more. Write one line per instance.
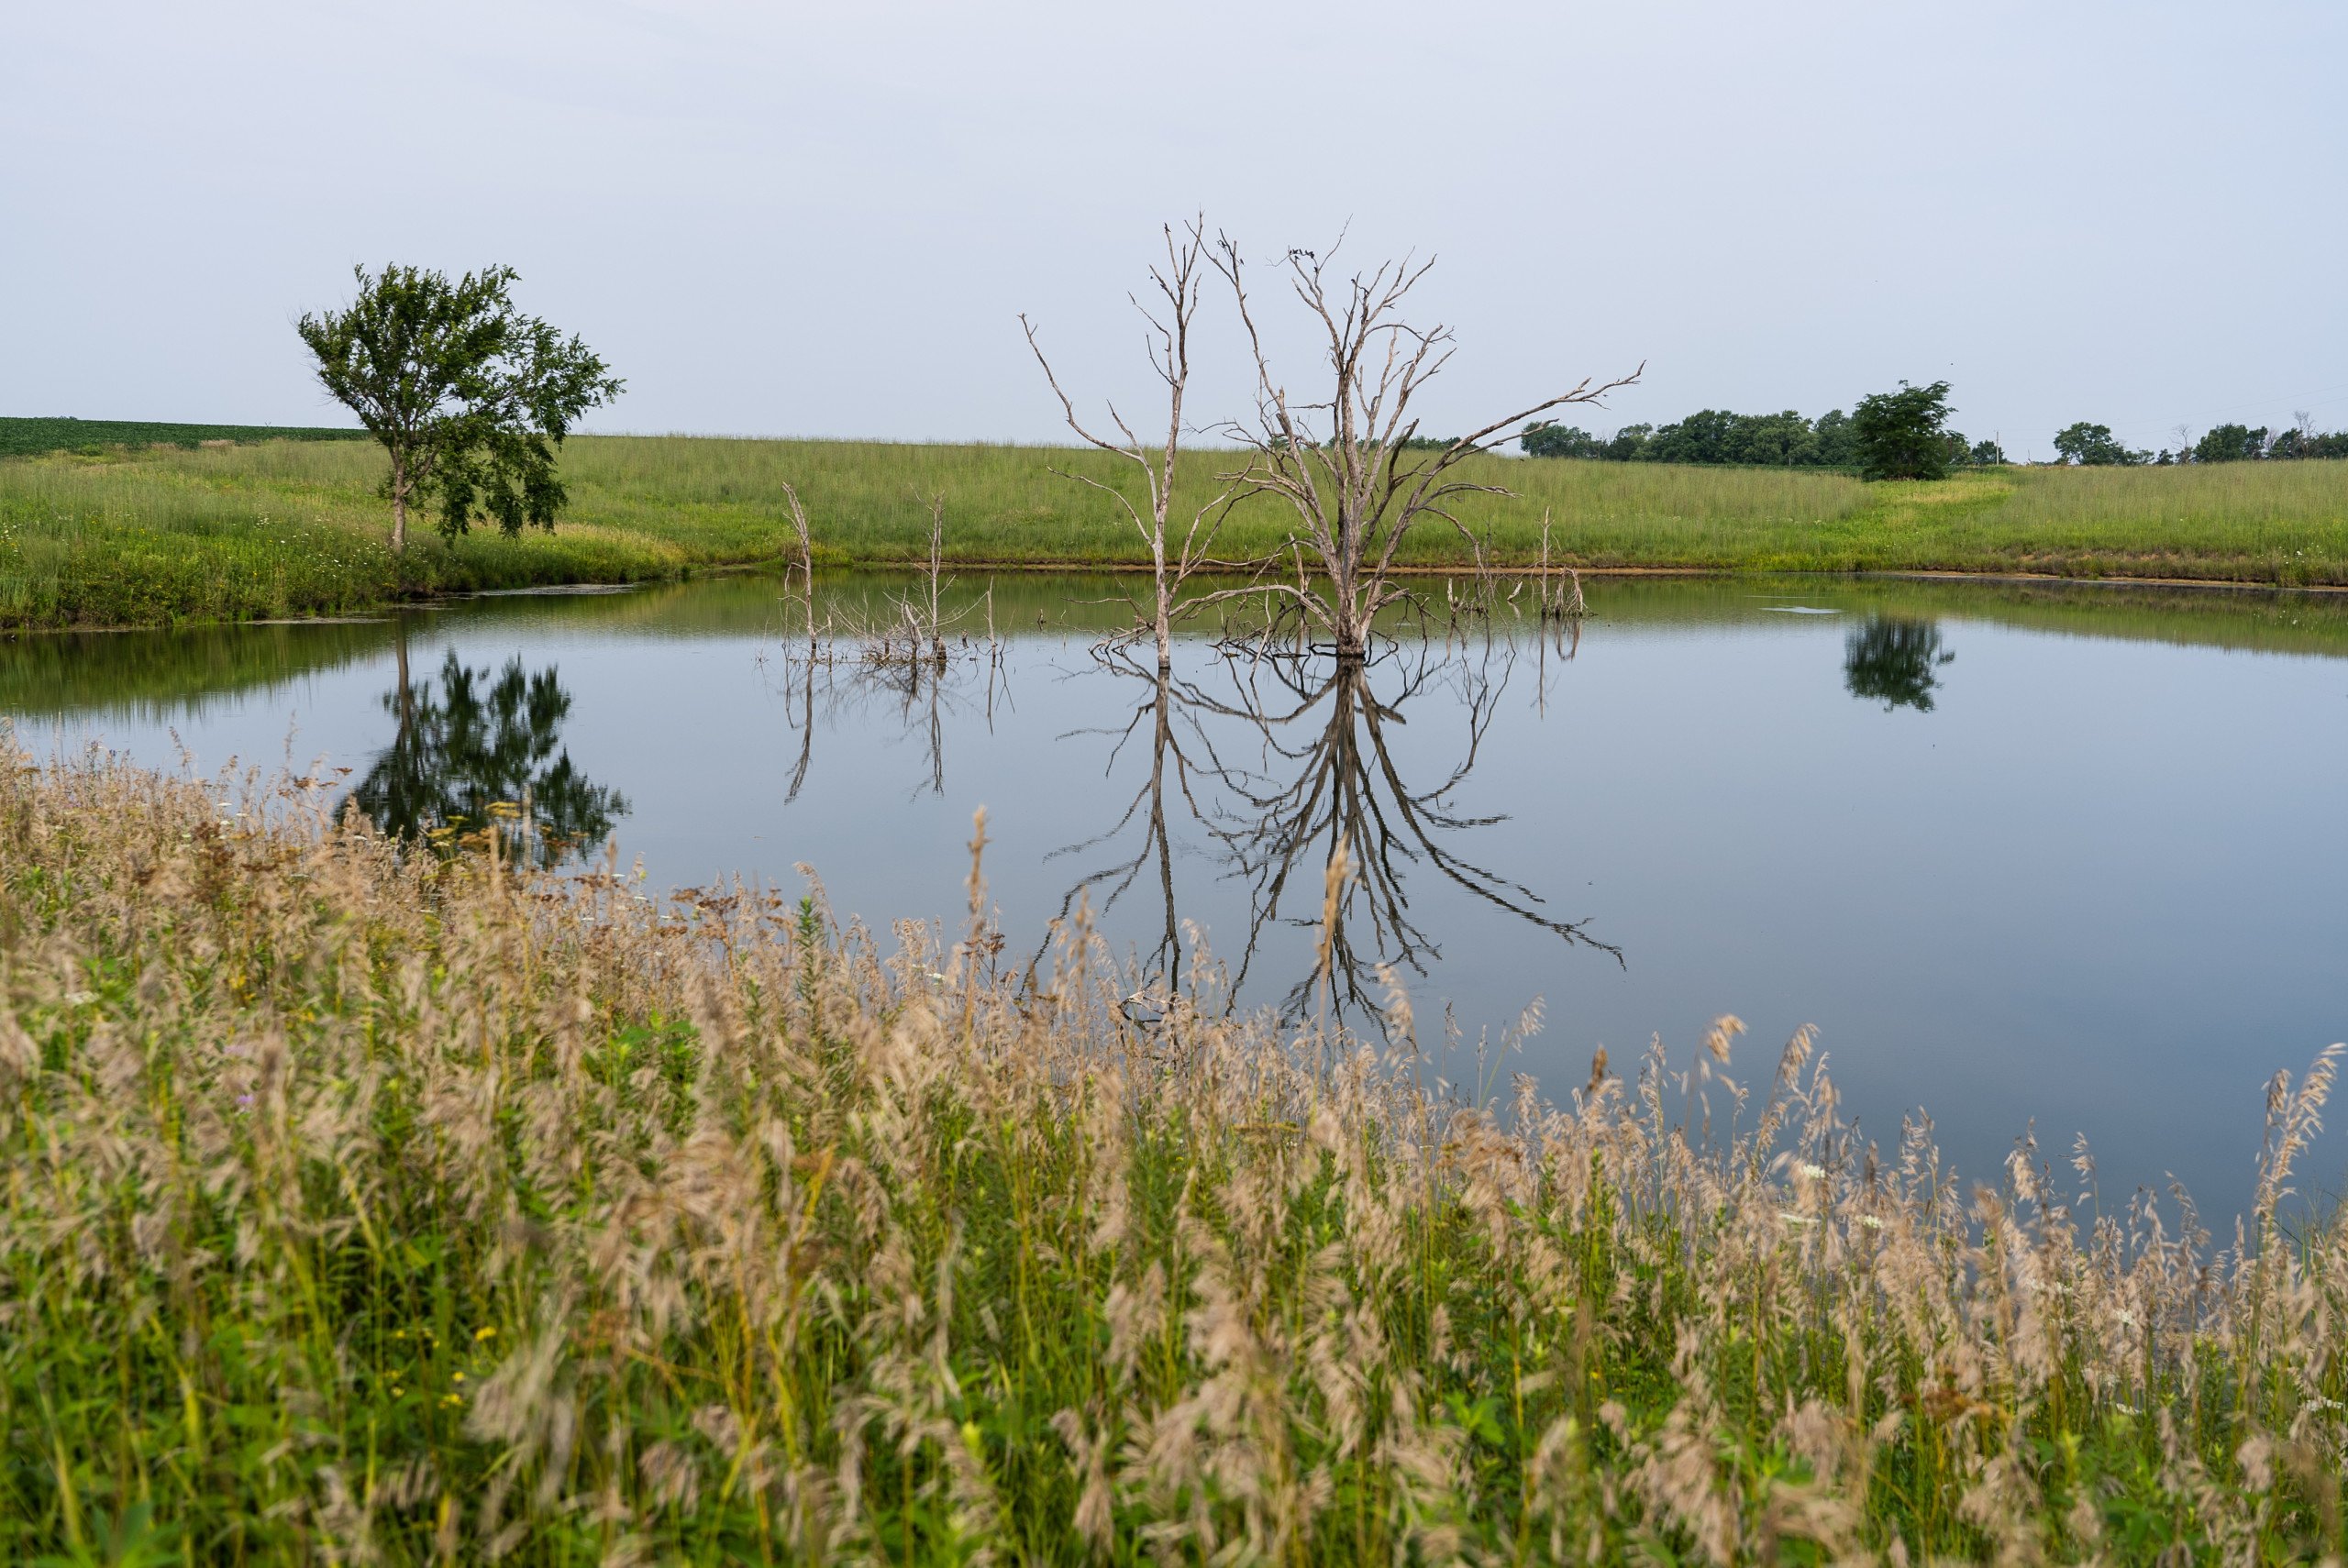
(1348, 625)
(1165, 620)
(399, 506)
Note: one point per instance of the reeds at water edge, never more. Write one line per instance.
(367, 1205)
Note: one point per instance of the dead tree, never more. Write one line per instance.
(1169, 352)
(1348, 465)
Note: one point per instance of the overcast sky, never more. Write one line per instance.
(786, 219)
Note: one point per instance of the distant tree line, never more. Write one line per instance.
(1895, 434)
(2094, 445)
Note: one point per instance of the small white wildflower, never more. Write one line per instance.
(1871, 1222)
(2127, 1318)
(80, 999)
(1815, 1173)
(2320, 1403)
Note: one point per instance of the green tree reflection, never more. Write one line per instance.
(1894, 661)
(472, 750)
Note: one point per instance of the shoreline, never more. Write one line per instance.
(381, 610)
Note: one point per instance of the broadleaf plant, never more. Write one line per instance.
(469, 397)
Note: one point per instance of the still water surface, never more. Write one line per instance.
(2069, 859)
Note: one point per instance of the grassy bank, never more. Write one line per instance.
(371, 1209)
(157, 536)
(166, 675)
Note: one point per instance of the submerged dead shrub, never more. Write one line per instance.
(365, 1206)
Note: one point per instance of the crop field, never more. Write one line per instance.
(30, 437)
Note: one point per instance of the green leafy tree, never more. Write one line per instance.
(1837, 448)
(2308, 443)
(1903, 435)
(1548, 438)
(1715, 436)
(1784, 440)
(2093, 446)
(2231, 444)
(1707, 436)
(467, 395)
(1627, 445)
(1988, 454)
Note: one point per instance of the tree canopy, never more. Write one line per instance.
(2094, 446)
(2305, 441)
(467, 395)
(1784, 440)
(1910, 433)
(1904, 434)
(1708, 435)
(2231, 444)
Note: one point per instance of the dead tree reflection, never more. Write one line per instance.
(1331, 778)
(1171, 716)
(1277, 763)
(854, 662)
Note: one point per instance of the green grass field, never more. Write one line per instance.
(161, 534)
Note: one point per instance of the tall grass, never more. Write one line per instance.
(1016, 503)
(286, 528)
(252, 532)
(372, 1208)
(2278, 521)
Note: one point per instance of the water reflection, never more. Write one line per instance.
(1708, 792)
(1894, 661)
(473, 749)
(829, 680)
(1282, 764)
(1171, 716)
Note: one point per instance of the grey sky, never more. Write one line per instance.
(789, 219)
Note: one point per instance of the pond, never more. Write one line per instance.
(2029, 857)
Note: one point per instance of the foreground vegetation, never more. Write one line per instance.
(378, 1208)
(154, 536)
